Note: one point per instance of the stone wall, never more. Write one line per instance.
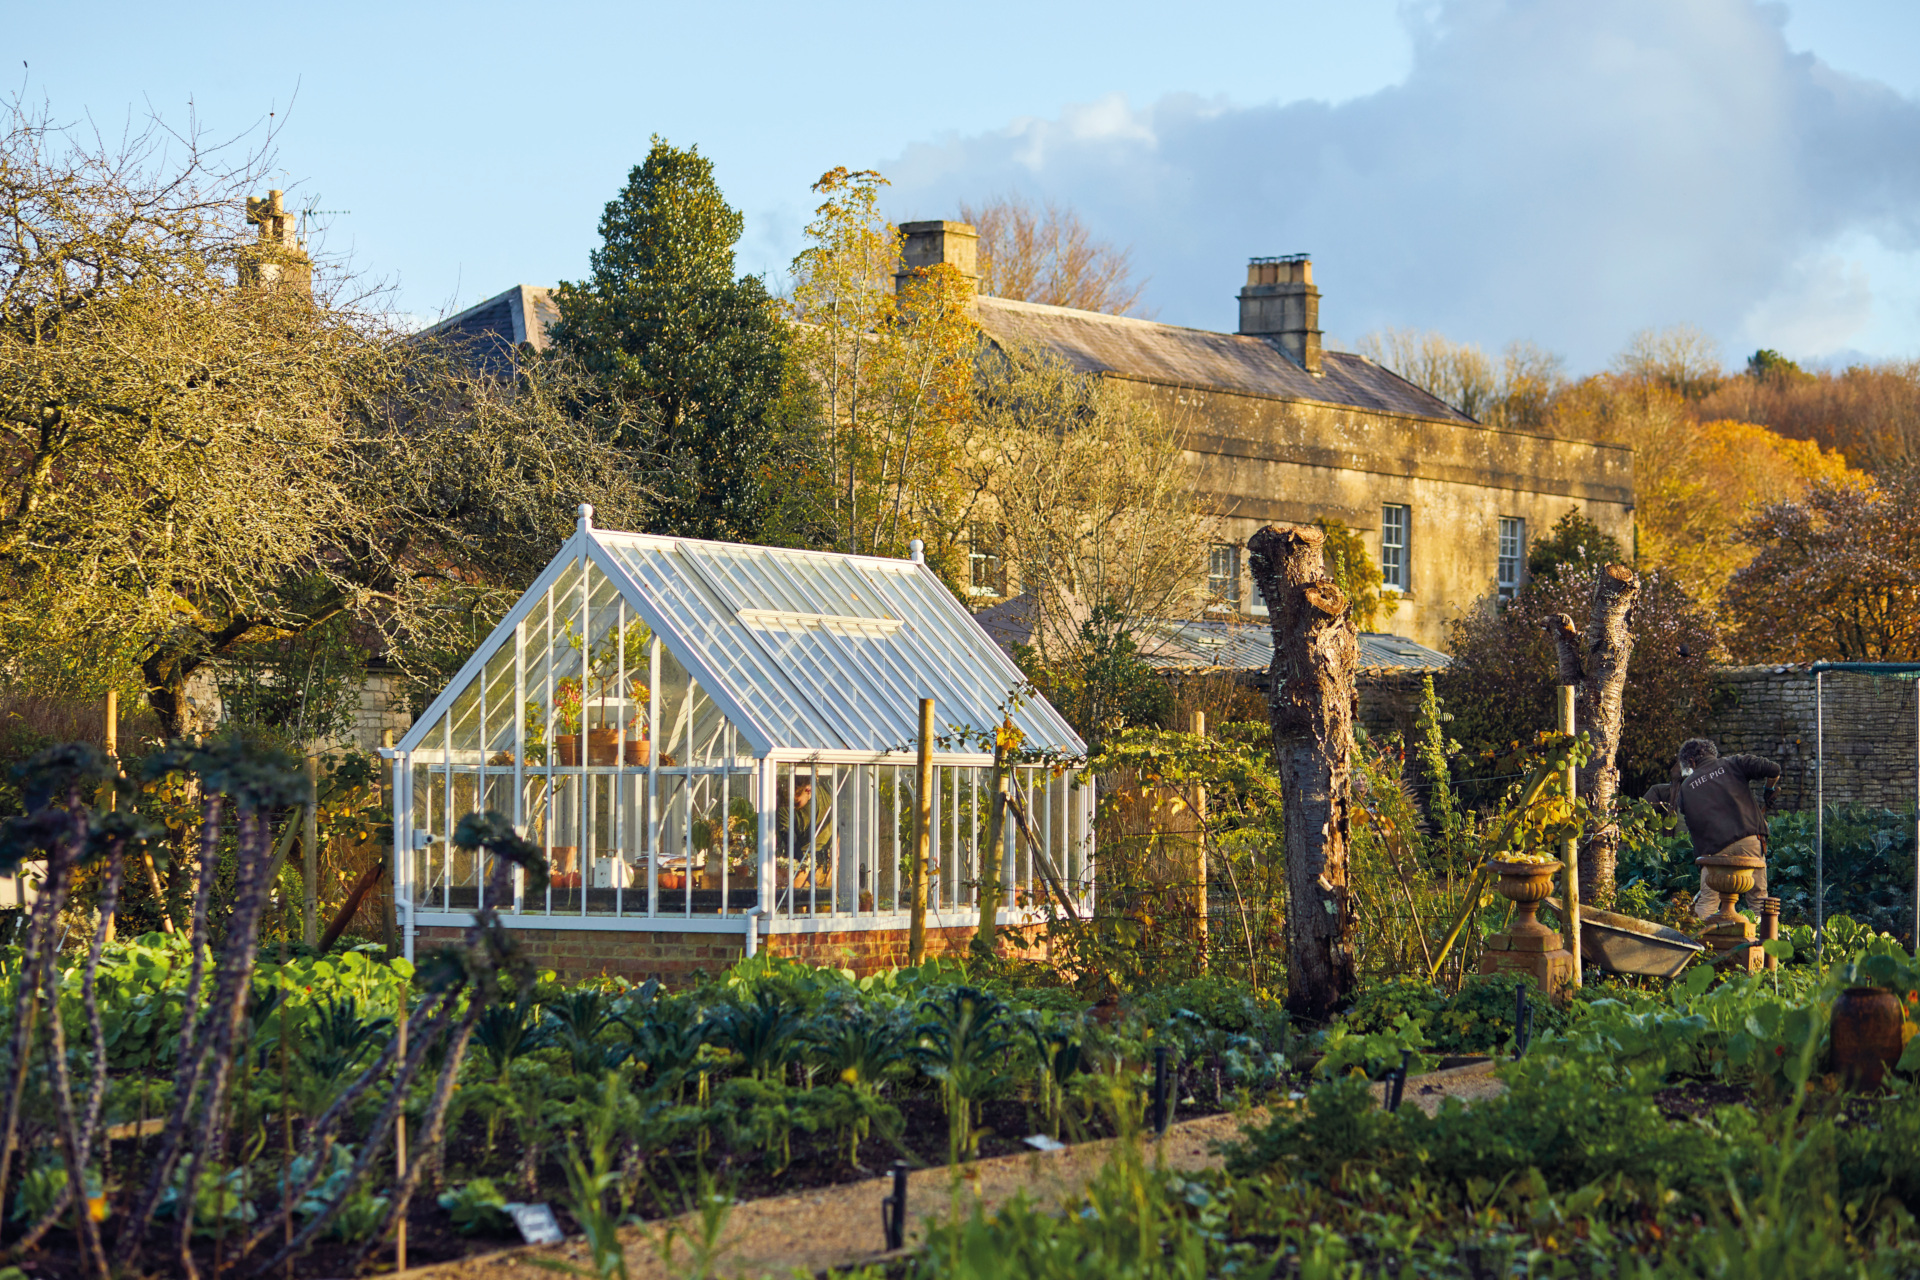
(1262, 460)
(1389, 700)
(1870, 732)
(673, 957)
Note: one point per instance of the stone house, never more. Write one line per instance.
(1282, 429)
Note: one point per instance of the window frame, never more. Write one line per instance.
(1223, 601)
(1516, 526)
(1396, 572)
(981, 553)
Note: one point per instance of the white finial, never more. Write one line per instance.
(586, 516)
(917, 551)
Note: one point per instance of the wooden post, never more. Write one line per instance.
(1311, 704)
(400, 1140)
(1570, 848)
(391, 856)
(1202, 925)
(111, 798)
(922, 836)
(993, 854)
(310, 860)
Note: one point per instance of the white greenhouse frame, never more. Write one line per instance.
(727, 718)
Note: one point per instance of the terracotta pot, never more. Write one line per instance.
(603, 746)
(1526, 885)
(561, 858)
(567, 747)
(1865, 1040)
(638, 752)
(672, 880)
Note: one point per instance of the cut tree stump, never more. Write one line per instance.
(1312, 705)
(1596, 663)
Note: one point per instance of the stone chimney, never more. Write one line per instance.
(1281, 305)
(277, 260)
(925, 244)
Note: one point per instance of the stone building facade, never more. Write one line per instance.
(1282, 429)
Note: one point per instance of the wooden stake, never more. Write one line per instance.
(1202, 927)
(922, 836)
(1570, 849)
(992, 889)
(400, 1144)
(310, 858)
(112, 797)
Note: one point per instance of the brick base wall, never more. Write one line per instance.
(673, 957)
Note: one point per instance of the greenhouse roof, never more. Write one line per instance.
(805, 651)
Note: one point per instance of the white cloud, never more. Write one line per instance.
(1552, 169)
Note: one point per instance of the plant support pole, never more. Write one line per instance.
(922, 836)
(1202, 925)
(310, 859)
(1819, 815)
(1570, 849)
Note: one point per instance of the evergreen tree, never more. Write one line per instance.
(663, 325)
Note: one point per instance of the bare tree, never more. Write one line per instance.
(1596, 664)
(1088, 490)
(1315, 650)
(1049, 255)
(1680, 358)
(196, 451)
(1518, 390)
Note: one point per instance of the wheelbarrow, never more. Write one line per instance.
(1624, 944)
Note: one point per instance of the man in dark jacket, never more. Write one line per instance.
(1722, 816)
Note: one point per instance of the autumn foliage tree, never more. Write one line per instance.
(1834, 576)
(888, 363)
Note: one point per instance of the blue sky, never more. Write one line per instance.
(1494, 169)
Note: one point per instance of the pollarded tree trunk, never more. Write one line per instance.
(1601, 674)
(1315, 649)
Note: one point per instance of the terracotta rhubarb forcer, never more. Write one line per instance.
(1865, 1039)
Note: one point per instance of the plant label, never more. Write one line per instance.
(1041, 1142)
(537, 1223)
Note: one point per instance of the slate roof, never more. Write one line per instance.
(502, 323)
(1202, 644)
(1152, 352)
(804, 651)
(1248, 646)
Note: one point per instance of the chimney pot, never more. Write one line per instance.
(1280, 304)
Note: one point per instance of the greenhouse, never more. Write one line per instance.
(707, 737)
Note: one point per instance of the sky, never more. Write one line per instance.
(1558, 171)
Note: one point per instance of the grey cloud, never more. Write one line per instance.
(1551, 169)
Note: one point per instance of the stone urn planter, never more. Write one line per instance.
(1730, 935)
(1526, 885)
(1865, 1038)
(1527, 946)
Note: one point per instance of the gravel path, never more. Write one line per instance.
(840, 1226)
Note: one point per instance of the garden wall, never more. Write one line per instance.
(1870, 732)
(677, 957)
